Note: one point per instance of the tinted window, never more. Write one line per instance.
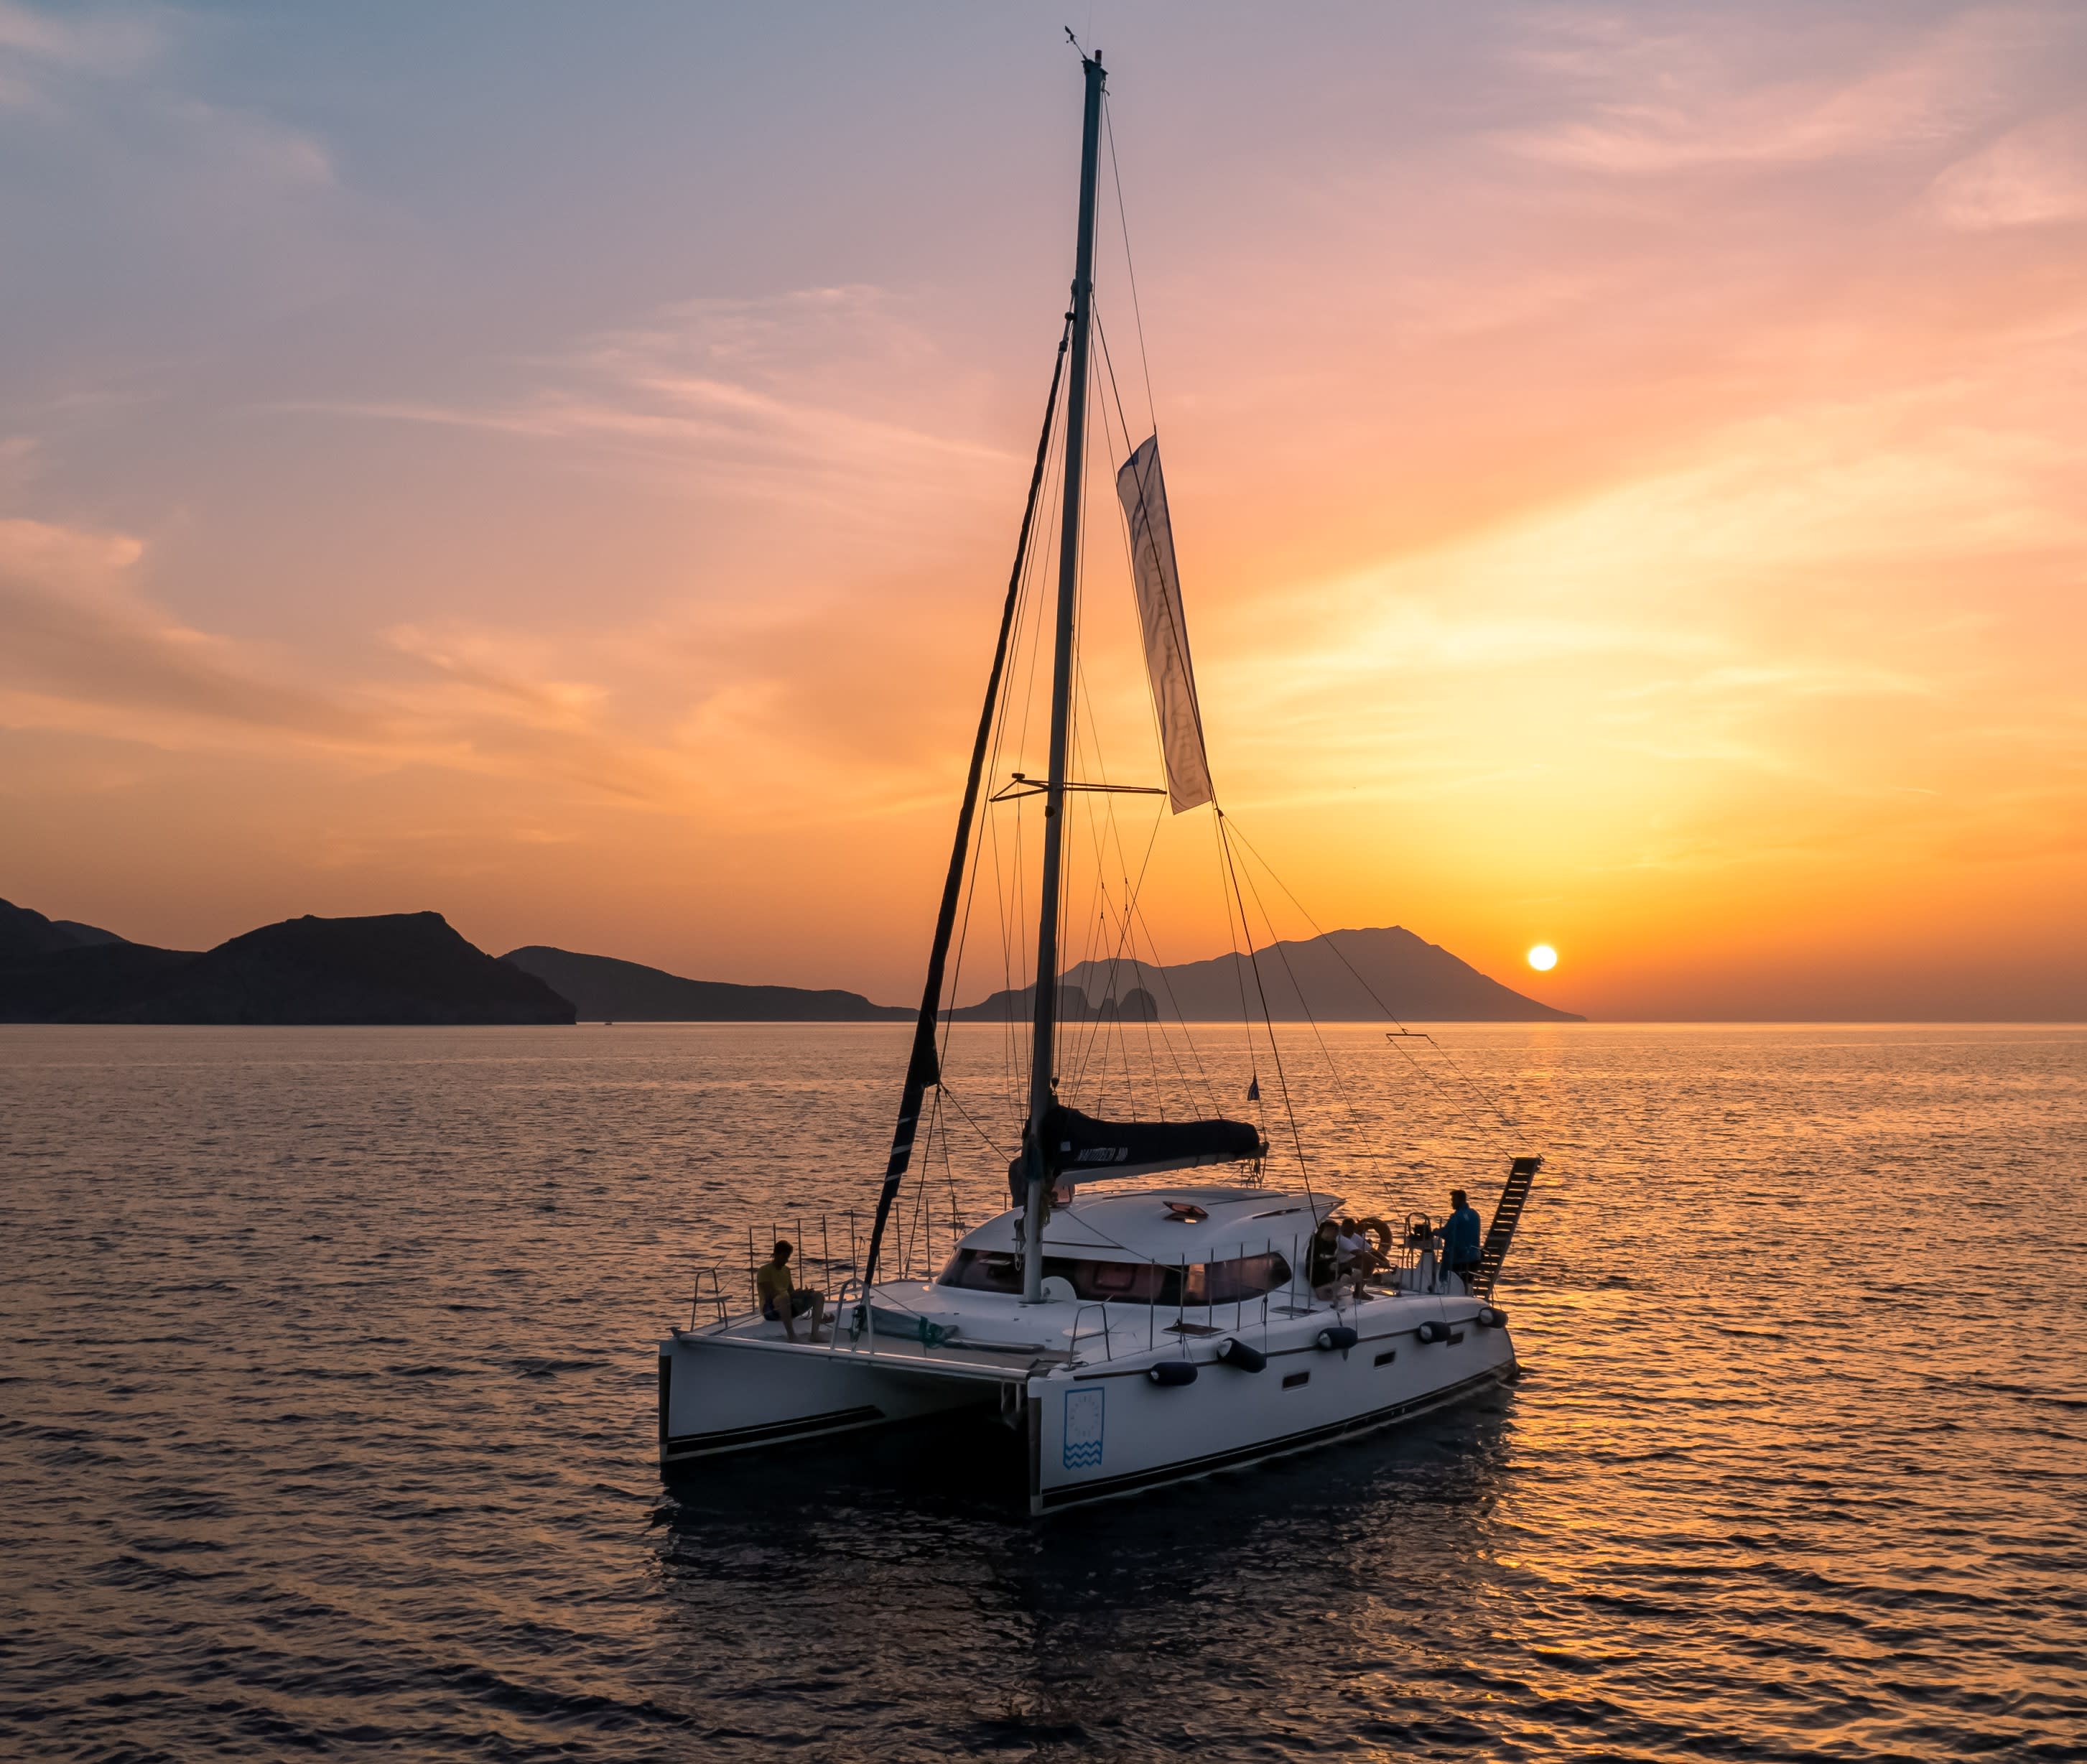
(1229, 1283)
(1134, 1283)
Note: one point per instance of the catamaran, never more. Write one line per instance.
(1135, 1333)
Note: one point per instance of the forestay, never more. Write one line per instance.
(1142, 490)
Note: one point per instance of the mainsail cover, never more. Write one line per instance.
(1142, 491)
(1080, 1147)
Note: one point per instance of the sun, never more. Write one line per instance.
(1543, 958)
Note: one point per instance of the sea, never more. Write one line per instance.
(326, 1411)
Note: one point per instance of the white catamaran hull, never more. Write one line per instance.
(721, 1392)
(1098, 1426)
(1097, 1433)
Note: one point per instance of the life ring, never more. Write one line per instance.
(1380, 1231)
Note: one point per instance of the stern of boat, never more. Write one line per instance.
(731, 1388)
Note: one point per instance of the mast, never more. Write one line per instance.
(1042, 1077)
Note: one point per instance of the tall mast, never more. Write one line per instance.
(1042, 1076)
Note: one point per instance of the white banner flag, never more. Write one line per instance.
(1143, 493)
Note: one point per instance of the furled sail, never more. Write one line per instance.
(1142, 491)
(1081, 1147)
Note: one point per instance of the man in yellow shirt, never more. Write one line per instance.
(782, 1301)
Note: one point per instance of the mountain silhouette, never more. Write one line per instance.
(25, 934)
(1372, 975)
(403, 968)
(606, 989)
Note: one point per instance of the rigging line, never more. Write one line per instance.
(1160, 741)
(1195, 1053)
(1138, 983)
(1123, 527)
(1151, 1051)
(1101, 882)
(1123, 531)
(1108, 361)
(1511, 1126)
(1025, 576)
(1274, 1051)
(1131, 889)
(922, 1066)
(1006, 959)
(957, 1103)
(1099, 840)
(1239, 973)
(956, 1207)
(1000, 736)
(1340, 1084)
(1129, 268)
(1134, 917)
(1018, 1050)
(1428, 1078)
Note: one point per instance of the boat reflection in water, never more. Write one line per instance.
(1304, 1604)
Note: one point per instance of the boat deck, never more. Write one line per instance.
(995, 1339)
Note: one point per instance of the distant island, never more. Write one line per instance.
(607, 990)
(413, 967)
(1344, 976)
(402, 968)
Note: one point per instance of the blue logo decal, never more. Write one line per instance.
(1083, 1428)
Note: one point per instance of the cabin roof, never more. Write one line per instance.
(1137, 1223)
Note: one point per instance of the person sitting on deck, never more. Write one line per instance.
(1324, 1260)
(1461, 1231)
(782, 1301)
(1359, 1259)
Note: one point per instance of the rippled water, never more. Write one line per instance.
(326, 1419)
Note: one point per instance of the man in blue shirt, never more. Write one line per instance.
(1463, 1250)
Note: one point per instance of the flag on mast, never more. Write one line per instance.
(1143, 493)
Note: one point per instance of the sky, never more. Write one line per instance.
(559, 467)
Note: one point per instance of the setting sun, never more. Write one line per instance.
(1543, 958)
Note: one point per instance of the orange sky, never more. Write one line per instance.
(1626, 465)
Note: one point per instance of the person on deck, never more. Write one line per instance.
(1358, 1257)
(782, 1301)
(1463, 1248)
(1324, 1260)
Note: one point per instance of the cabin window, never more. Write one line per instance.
(1235, 1281)
(1230, 1282)
(983, 1271)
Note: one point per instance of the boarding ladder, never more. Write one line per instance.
(1521, 1176)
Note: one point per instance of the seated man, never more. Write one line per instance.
(1359, 1259)
(1323, 1263)
(782, 1301)
(1462, 1250)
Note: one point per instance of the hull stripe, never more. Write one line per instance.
(726, 1438)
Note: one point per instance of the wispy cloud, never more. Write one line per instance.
(84, 651)
(830, 400)
(2031, 176)
(106, 76)
(1658, 99)
(39, 49)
